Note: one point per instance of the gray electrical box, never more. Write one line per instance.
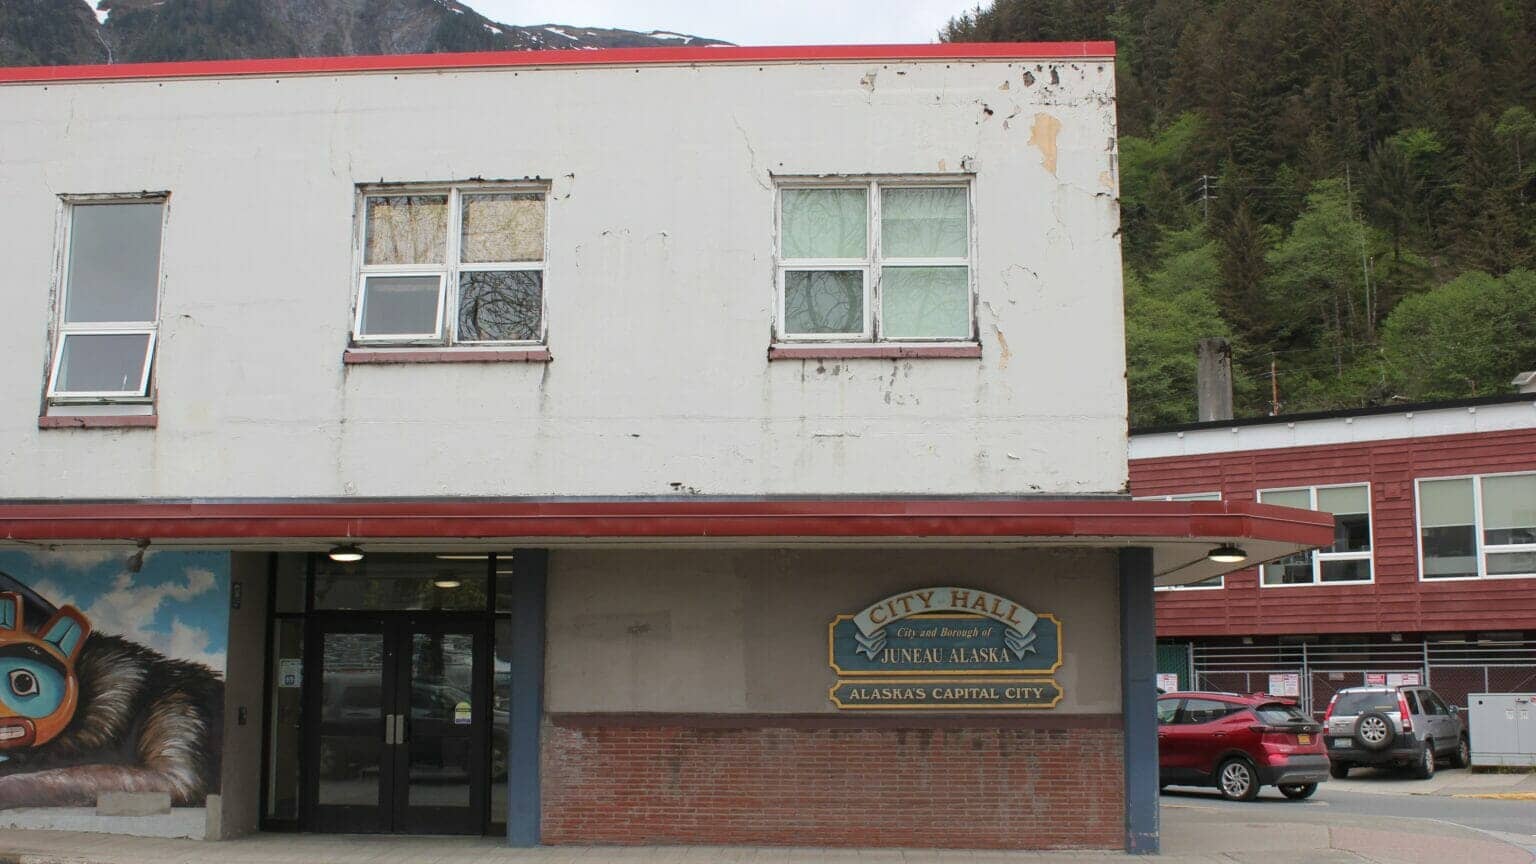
(1503, 728)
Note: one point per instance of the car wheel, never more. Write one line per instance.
(1373, 731)
(1338, 770)
(1297, 791)
(1463, 755)
(1237, 780)
(1425, 767)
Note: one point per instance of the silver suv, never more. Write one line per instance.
(1406, 726)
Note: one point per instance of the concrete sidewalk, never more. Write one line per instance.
(1191, 835)
(1454, 782)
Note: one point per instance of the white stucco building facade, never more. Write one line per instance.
(818, 328)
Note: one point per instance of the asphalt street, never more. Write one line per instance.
(1511, 821)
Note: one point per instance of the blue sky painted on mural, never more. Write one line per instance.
(177, 604)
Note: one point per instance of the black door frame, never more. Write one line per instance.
(393, 814)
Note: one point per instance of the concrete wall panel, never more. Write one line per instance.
(660, 283)
(746, 631)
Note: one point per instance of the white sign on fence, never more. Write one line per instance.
(1168, 682)
(1285, 684)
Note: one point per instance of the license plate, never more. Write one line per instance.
(1341, 742)
(1304, 739)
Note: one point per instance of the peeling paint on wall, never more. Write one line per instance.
(1043, 138)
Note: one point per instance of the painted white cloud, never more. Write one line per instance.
(50, 591)
(128, 610)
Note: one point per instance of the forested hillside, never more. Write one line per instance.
(1344, 188)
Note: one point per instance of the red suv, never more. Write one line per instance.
(1237, 744)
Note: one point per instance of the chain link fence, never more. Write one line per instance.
(1312, 673)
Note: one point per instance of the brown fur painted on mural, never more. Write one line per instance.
(145, 723)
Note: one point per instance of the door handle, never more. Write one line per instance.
(389, 729)
(400, 729)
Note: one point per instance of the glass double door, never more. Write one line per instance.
(398, 735)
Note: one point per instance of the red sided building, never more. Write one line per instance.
(1433, 562)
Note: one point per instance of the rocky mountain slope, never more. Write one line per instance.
(50, 32)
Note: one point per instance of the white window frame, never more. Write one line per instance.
(1318, 555)
(872, 262)
(1221, 581)
(445, 332)
(62, 330)
(1477, 528)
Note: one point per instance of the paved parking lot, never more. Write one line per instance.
(1450, 782)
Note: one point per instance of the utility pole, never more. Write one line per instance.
(1205, 196)
(1274, 387)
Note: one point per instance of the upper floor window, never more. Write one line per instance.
(451, 265)
(1203, 584)
(108, 310)
(875, 260)
(1477, 527)
(1349, 558)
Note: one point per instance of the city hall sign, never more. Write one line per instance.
(952, 649)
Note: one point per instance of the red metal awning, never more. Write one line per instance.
(1180, 533)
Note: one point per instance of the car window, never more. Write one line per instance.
(1365, 700)
(1280, 714)
(1433, 705)
(1413, 702)
(1205, 710)
(1166, 710)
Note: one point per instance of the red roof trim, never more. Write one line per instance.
(288, 66)
(668, 518)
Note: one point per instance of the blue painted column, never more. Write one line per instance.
(526, 713)
(1138, 696)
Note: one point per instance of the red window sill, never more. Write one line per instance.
(363, 356)
(66, 421)
(873, 352)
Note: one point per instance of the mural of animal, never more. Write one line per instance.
(104, 714)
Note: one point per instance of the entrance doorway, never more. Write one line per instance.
(399, 723)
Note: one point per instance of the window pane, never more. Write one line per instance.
(1449, 552)
(1445, 502)
(825, 223)
(824, 301)
(102, 363)
(1344, 499)
(1511, 563)
(114, 262)
(400, 305)
(500, 305)
(1352, 570)
(399, 582)
(504, 227)
(1509, 509)
(924, 223)
(1288, 498)
(407, 229)
(925, 302)
(1351, 533)
(1291, 570)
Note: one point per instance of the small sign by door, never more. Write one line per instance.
(290, 673)
(461, 714)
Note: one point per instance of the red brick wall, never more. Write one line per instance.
(835, 781)
(1398, 601)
